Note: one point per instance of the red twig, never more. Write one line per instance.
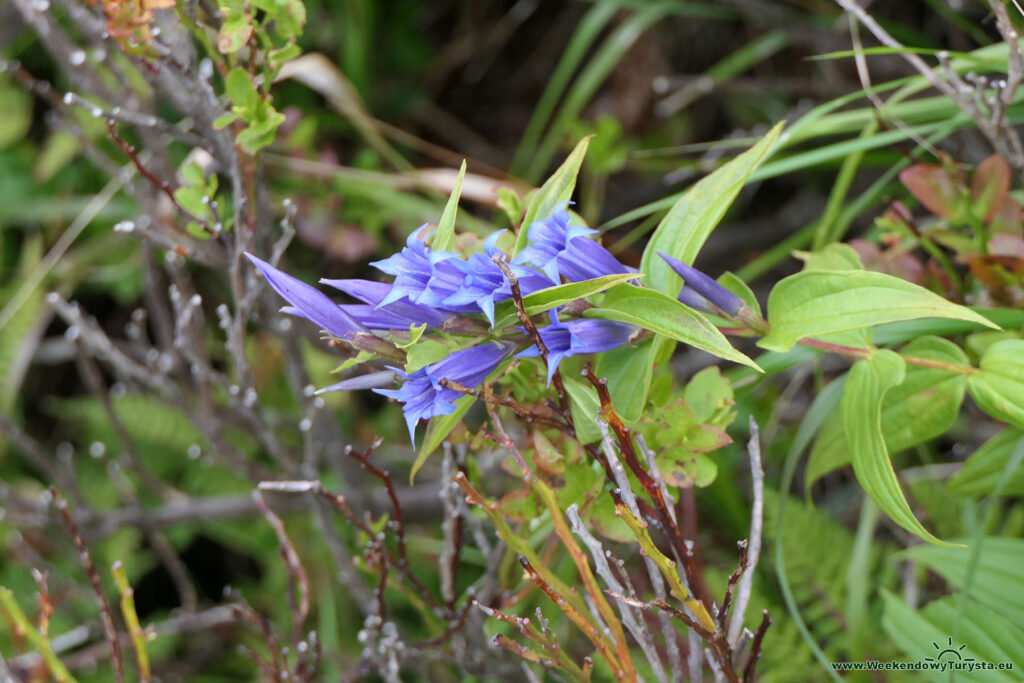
(488, 396)
(661, 513)
(399, 520)
(106, 613)
(734, 579)
(299, 582)
(755, 648)
(45, 606)
(159, 183)
(531, 329)
(272, 669)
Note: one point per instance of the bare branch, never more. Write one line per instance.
(753, 550)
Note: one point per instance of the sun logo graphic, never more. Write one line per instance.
(948, 653)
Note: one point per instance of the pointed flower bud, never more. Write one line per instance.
(701, 284)
(309, 302)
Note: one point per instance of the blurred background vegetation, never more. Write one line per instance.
(669, 90)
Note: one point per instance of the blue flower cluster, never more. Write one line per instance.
(432, 287)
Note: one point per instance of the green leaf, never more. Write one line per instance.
(835, 256)
(585, 407)
(818, 302)
(861, 407)
(16, 105)
(685, 469)
(289, 18)
(424, 353)
(240, 89)
(415, 332)
(360, 357)
(708, 394)
(998, 578)
(438, 430)
(445, 236)
(277, 58)
(555, 190)
(734, 284)
(235, 30)
(224, 121)
(923, 406)
(686, 226)
(927, 634)
(999, 387)
(628, 370)
(552, 297)
(663, 314)
(508, 202)
(261, 133)
(981, 472)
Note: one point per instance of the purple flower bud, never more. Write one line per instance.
(576, 337)
(691, 298)
(371, 380)
(309, 302)
(423, 394)
(719, 296)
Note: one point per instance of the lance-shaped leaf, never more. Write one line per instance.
(983, 470)
(923, 406)
(444, 238)
(861, 408)
(556, 190)
(585, 407)
(818, 302)
(999, 387)
(661, 313)
(628, 370)
(995, 577)
(553, 297)
(924, 635)
(438, 430)
(686, 226)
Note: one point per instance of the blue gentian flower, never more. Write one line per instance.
(424, 396)
(576, 337)
(308, 302)
(412, 269)
(559, 250)
(477, 283)
(700, 284)
(397, 315)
